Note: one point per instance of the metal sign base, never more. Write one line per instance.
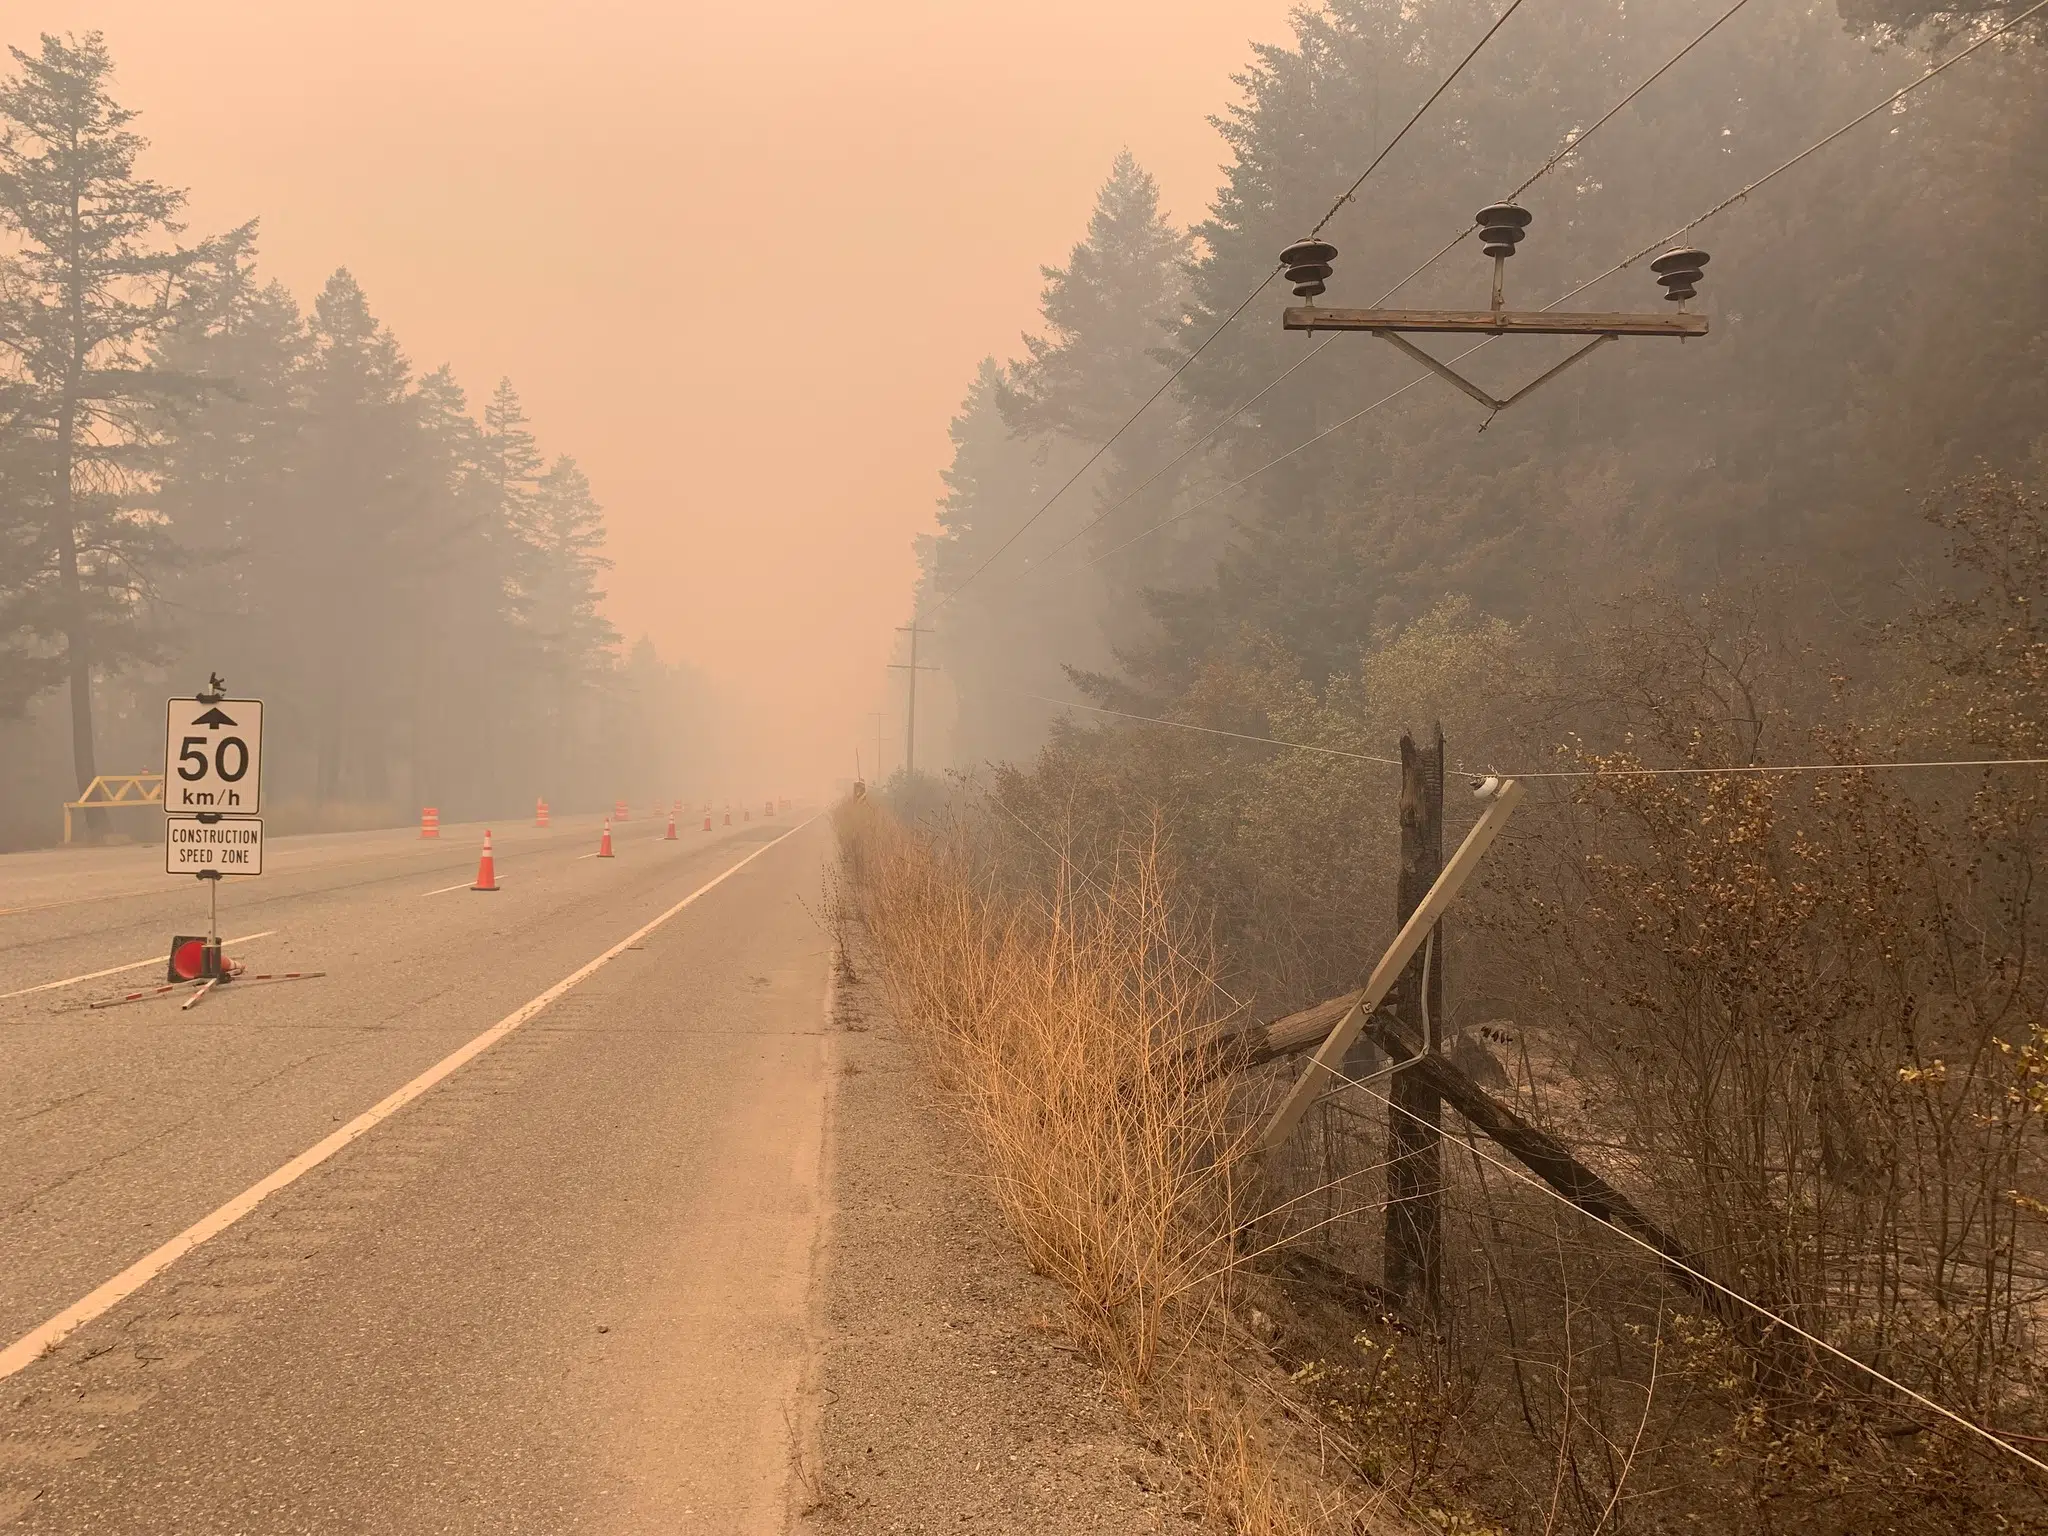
(198, 988)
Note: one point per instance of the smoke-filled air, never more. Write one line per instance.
(1257, 768)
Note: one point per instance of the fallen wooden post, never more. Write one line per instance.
(1537, 1150)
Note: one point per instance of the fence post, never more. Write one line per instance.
(1413, 1254)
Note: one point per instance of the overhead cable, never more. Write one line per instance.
(1708, 1280)
(1573, 293)
(1570, 773)
(1570, 148)
(1817, 145)
(1244, 304)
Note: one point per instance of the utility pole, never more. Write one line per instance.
(1414, 1243)
(910, 716)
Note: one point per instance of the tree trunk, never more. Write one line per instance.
(77, 635)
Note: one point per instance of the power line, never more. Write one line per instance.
(1061, 854)
(1708, 1280)
(1571, 773)
(1571, 147)
(1391, 762)
(1682, 229)
(1229, 319)
(1217, 426)
(1499, 22)
(1109, 442)
(1576, 143)
(1217, 496)
(1818, 144)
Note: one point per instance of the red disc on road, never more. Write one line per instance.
(188, 960)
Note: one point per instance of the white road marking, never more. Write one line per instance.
(38, 1342)
(460, 885)
(115, 970)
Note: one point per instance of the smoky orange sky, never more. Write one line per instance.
(739, 260)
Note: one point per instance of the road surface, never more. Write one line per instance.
(562, 1289)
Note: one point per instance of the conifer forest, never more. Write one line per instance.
(196, 464)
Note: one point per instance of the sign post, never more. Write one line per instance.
(213, 788)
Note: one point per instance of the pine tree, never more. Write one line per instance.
(227, 453)
(1041, 607)
(351, 550)
(93, 279)
(572, 644)
(1108, 314)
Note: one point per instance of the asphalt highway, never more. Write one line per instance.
(563, 1288)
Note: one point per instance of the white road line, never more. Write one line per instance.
(34, 1344)
(115, 970)
(460, 885)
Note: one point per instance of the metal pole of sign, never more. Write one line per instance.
(214, 965)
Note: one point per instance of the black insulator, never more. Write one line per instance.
(1500, 228)
(1680, 273)
(1308, 263)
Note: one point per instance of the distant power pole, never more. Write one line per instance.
(910, 717)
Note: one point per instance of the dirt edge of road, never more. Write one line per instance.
(943, 1393)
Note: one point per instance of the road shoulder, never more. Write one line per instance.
(944, 1394)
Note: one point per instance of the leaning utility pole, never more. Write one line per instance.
(1414, 1243)
(910, 717)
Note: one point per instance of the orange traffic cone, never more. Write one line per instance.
(728, 815)
(430, 821)
(769, 813)
(540, 813)
(707, 821)
(486, 871)
(670, 835)
(604, 844)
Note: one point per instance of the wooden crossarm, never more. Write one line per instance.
(1492, 322)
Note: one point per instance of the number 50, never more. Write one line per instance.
(192, 764)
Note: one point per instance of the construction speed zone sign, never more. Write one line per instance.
(213, 756)
(228, 845)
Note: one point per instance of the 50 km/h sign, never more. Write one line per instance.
(213, 756)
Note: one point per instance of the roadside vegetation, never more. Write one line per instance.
(1791, 1009)
(1795, 1017)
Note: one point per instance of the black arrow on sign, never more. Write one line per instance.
(214, 719)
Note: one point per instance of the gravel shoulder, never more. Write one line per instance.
(944, 1395)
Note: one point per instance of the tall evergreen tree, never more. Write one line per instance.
(571, 643)
(355, 510)
(227, 455)
(1108, 315)
(94, 277)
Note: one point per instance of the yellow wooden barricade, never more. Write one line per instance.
(116, 789)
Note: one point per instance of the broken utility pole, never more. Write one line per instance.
(1412, 1259)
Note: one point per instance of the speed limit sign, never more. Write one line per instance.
(213, 756)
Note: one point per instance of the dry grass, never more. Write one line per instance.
(1061, 1023)
(1064, 1028)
